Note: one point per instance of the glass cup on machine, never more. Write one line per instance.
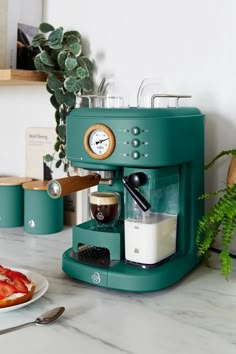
(109, 95)
(105, 208)
(113, 96)
(89, 101)
(148, 88)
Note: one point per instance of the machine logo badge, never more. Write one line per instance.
(31, 223)
(96, 278)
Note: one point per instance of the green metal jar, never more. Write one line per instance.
(12, 201)
(42, 214)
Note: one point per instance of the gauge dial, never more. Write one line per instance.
(99, 141)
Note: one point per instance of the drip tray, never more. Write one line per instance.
(95, 256)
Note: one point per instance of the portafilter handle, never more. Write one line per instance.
(63, 186)
(136, 195)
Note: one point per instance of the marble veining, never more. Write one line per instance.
(197, 315)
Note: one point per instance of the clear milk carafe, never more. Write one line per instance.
(151, 236)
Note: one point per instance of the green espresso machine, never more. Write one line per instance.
(154, 159)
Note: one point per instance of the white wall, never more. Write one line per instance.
(21, 107)
(188, 45)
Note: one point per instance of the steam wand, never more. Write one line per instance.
(135, 180)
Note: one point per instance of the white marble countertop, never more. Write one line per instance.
(196, 316)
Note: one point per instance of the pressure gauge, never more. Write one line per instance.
(99, 141)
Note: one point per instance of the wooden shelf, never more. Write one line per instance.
(13, 77)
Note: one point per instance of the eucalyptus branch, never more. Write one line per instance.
(68, 71)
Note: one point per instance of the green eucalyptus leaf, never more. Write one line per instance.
(46, 58)
(55, 38)
(59, 94)
(48, 158)
(57, 116)
(61, 58)
(45, 27)
(54, 54)
(74, 45)
(57, 46)
(66, 166)
(85, 62)
(38, 40)
(48, 89)
(72, 73)
(62, 131)
(57, 145)
(62, 155)
(87, 84)
(40, 37)
(38, 63)
(53, 82)
(54, 102)
(58, 163)
(69, 99)
(72, 85)
(42, 67)
(70, 62)
(82, 72)
(48, 69)
(72, 33)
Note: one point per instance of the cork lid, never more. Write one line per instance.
(13, 181)
(103, 198)
(36, 185)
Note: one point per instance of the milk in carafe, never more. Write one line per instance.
(151, 241)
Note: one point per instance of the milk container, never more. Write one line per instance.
(150, 236)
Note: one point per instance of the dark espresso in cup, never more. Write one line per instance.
(105, 207)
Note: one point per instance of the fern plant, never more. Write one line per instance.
(219, 220)
(68, 71)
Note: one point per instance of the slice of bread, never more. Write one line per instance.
(15, 287)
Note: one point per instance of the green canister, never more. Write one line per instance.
(42, 214)
(12, 201)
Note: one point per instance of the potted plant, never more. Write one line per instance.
(221, 218)
(69, 72)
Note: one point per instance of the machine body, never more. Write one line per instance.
(156, 159)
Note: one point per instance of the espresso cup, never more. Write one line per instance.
(105, 208)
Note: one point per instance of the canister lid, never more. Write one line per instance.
(103, 198)
(13, 181)
(36, 185)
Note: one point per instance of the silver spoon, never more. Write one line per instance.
(45, 318)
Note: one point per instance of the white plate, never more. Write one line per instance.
(41, 286)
